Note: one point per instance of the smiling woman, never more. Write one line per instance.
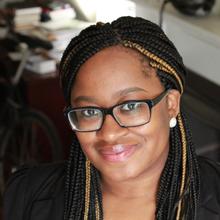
(132, 156)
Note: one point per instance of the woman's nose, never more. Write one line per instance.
(111, 130)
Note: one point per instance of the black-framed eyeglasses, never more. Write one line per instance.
(130, 113)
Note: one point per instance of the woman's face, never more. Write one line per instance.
(114, 75)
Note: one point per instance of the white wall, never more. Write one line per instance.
(197, 39)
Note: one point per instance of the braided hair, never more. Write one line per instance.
(178, 191)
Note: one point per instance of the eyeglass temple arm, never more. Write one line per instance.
(158, 99)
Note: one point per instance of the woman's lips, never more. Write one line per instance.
(117, 153)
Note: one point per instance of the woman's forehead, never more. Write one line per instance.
(117, 57)
(112, 70)
(113, 63)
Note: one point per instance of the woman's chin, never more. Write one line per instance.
(119, 175)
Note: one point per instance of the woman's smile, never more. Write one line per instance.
(118, 153)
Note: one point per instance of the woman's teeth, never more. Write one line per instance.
(118, 148)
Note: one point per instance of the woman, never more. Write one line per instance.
(132, 156)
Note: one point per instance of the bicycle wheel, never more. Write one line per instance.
(32, 140)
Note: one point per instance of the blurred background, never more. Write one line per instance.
(33, 35)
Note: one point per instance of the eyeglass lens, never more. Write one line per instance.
(127, 115)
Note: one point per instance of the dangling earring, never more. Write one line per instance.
(173, 122)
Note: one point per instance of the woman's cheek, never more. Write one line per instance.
(86, 141)
(154, 132)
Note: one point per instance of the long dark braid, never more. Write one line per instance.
(75, 176)
(179, 182)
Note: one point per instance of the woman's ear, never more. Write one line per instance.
(173, 102)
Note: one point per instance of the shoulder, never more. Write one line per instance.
(209, 171)
(36, 177)
(31, 184)
(209, 207)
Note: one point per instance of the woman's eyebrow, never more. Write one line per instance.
(119, 93)
(84, 98)
(124, 92)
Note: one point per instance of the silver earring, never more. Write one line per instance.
(173, 122)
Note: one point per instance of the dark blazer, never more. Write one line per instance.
(38, 193)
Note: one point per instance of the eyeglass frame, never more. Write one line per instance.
(109, 111)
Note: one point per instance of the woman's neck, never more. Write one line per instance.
(131, 199)
(132, 189)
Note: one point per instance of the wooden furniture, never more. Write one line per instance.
(44, 94)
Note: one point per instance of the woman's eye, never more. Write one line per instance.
(89, 113)
(130, 106)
